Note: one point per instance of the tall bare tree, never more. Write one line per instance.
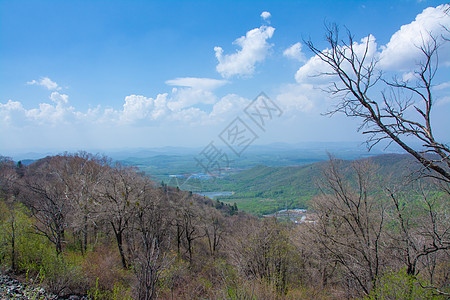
(401, 112)
(83, 174)
(350, 225)
(46, 195)
(213, 223)
(118, 198)
(8, 176)
(152, 224)
(422, 240)
(263, 251)
(190, 226)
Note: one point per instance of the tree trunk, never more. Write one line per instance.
(13, 245)
(119, 239)
(85, 233)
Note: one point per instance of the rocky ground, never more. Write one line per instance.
(11, 288)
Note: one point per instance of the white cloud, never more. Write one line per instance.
(443, 101)
(399, 58)
(295, 52)
(311, 70)
(399, 54)
(192, 116)
(59, 98)
(314, 67)
(227, 106)
(12, 113)
(176, 107)
(45, 82)
(10, 106)
(442, 86)
(402, 51)
(137, 110)
(265, 15)
(254, 49)
(60, 113)
(297, 97)
(136, 107)
(197, 83)
(193, 91)
(160, 108)
(187, 97)
(308, 95)
(408, 76)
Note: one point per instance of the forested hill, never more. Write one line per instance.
(82, 225)
(264, 190)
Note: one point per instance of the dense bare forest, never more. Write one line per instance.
(80, 224)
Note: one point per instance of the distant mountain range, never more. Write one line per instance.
(280, 148)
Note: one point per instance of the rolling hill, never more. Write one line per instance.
(263, 190)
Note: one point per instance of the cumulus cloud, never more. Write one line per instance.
(59, 98)
(178, 107)
(136, 107)
(254, 49)
(197, 83)
(229, 105)
(45, 82)
(160, 107)
(403, 49)
(399, 58)
(193, 91)
(314, 67)
(401, 54)
(265, 15)
(186, 97)
(136, 110)
(14, 114)
(297, 97)
(191, 116)
(295, 52)
(58, 113)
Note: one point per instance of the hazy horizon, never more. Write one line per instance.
(321, 148)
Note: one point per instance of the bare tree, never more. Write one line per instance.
(350, 225)
(152, 227)
(214, 228)
(423, 236)
(191, 228)
(118, 198)
(82, 174)
(8, 179)
(8, 176)
(318, 266)
(264, 252)
(46, 195)
(396, 111)
(402, 112)
(187, 221)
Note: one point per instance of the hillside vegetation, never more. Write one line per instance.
(264, 190)
(80, 224)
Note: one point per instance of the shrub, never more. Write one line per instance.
(399, 285)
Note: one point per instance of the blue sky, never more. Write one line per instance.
(123, 74)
